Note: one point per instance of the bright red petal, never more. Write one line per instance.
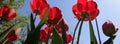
(43, 35)
(11, 36)
(83, 2)
(91, 5)
(60, 26)
(76, 12)
(69, 38)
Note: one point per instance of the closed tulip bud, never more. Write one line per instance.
(109, 29)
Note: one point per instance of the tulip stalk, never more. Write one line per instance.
(48, 36)
(98, 31)
(75, 31)
(80, 30)
(111, 38)
(35, 18)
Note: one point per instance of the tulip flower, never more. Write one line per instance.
(11, 36)
(39, 6)
(59, 25)
(109, 29)
(54, 16)
(49, 28)
(69, 38)
(43, 35)
(85, 8)
(7, 13)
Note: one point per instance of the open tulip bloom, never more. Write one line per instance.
(46, 23)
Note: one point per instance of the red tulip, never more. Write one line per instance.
(84, 8)
(109, 29)
(11, 36)
(43, 35)
(49, 28)
(69, 38)
(60, 26)
(7, 13)
(54, 16)
(39, 6)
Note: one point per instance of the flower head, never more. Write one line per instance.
(60, 25)
(11, 36)
(109, 29)
(39, 6)
(7, 13)
(43, 35)
(49, 28)
(54, 16)
(69, 38)
(85, 8)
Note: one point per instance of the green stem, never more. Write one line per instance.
(80, 30)
(48, 36)
(63, 33)
(98, 31)
(111, 38)
(35, 18)
(75, 31)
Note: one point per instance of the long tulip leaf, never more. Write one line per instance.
(92, 35)
(33, 36)
(56, 39)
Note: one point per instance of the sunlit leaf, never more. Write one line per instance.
(43, 19)
(92, 35)
(63, 33)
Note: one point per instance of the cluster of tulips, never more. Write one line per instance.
(55, 27)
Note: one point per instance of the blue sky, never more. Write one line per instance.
(109, 10)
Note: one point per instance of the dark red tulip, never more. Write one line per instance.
(7, 13)
(54, 16)
(39, 6)
(43, 35)
(69, 38)
(109, 29)
(11, 36)
(85, 8)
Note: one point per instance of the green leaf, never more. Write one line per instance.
(43, 19)
(11, 2)
(63, 33)
(33, 36)
(28, 27)
(92, 35)
(4, 34)
(32, 22)
(56, 39)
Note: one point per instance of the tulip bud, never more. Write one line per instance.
(109, 29)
